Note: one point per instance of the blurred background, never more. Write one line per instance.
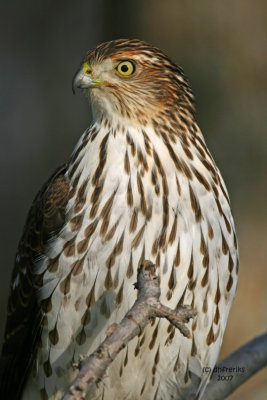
(221, 46)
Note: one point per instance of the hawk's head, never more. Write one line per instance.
(133, 80)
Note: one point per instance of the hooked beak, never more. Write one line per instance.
(82, 81)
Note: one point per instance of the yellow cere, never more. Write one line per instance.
(86, 68)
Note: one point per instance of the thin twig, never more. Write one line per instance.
(147, 306)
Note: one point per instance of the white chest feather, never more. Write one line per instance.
(134, 199)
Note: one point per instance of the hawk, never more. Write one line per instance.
(140, 184)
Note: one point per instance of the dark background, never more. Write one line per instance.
(222, 47)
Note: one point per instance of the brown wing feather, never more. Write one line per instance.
(45, 219)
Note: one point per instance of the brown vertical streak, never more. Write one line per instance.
(129, 272)
(177, 258)
(217, 334)
(154, 337)
(140, 188)
(217, 295)
(53, 264)
(142, 159)
(154, 177)
(126, 358)
(174, 157)
(108, 280)
(102, 160)
(129, 194)
(119, 296)
(126, 163)
(227, 224)
(190, 271)
(81, 337)
(158, 260)
(178, 186)
(65, 284)
(91, 229)
(219, 206)
(90, 299)
(205, 303)
(115, 252)
(165, 214)
(225, 247)
(47, 368)
(147, 143)
(181, 300)
(79, 203)
(86, 318)
(157, 189)
(201, 179)
(69, 247)
(158, 163)
(187, 170)
(137, 239)
(176, 365)
(77, 266)
(105, 212)
(173, 230)
(143, 388)
(142, 257)
(133, 221)
(97, 191)
(210, 231)
(157, 356)
(229, 283)
(93, 210)
(149, 213)
(131, 143)
(76, 222)
(73, 169)
(46, 304)
(53, 336)
(193, 348)
(192, 284)
(195, 204)
(104, 308)
(112, 231)
(194, 325)
(172, 279)
(210, 337)
(187, 152)
(223, 190)
(205, 278)
(155, 246)
(203, 246)
(230, 263)
(206, 260)
(83, 245)
(216, 316)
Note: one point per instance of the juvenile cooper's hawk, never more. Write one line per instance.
(140, 184)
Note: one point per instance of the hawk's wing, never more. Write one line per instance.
(45, 219)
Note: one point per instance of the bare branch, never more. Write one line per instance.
(147, 306)
(248, 359)
(240, 365)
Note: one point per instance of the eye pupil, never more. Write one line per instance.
(124, 68)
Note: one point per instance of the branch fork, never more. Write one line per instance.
(146, 307)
